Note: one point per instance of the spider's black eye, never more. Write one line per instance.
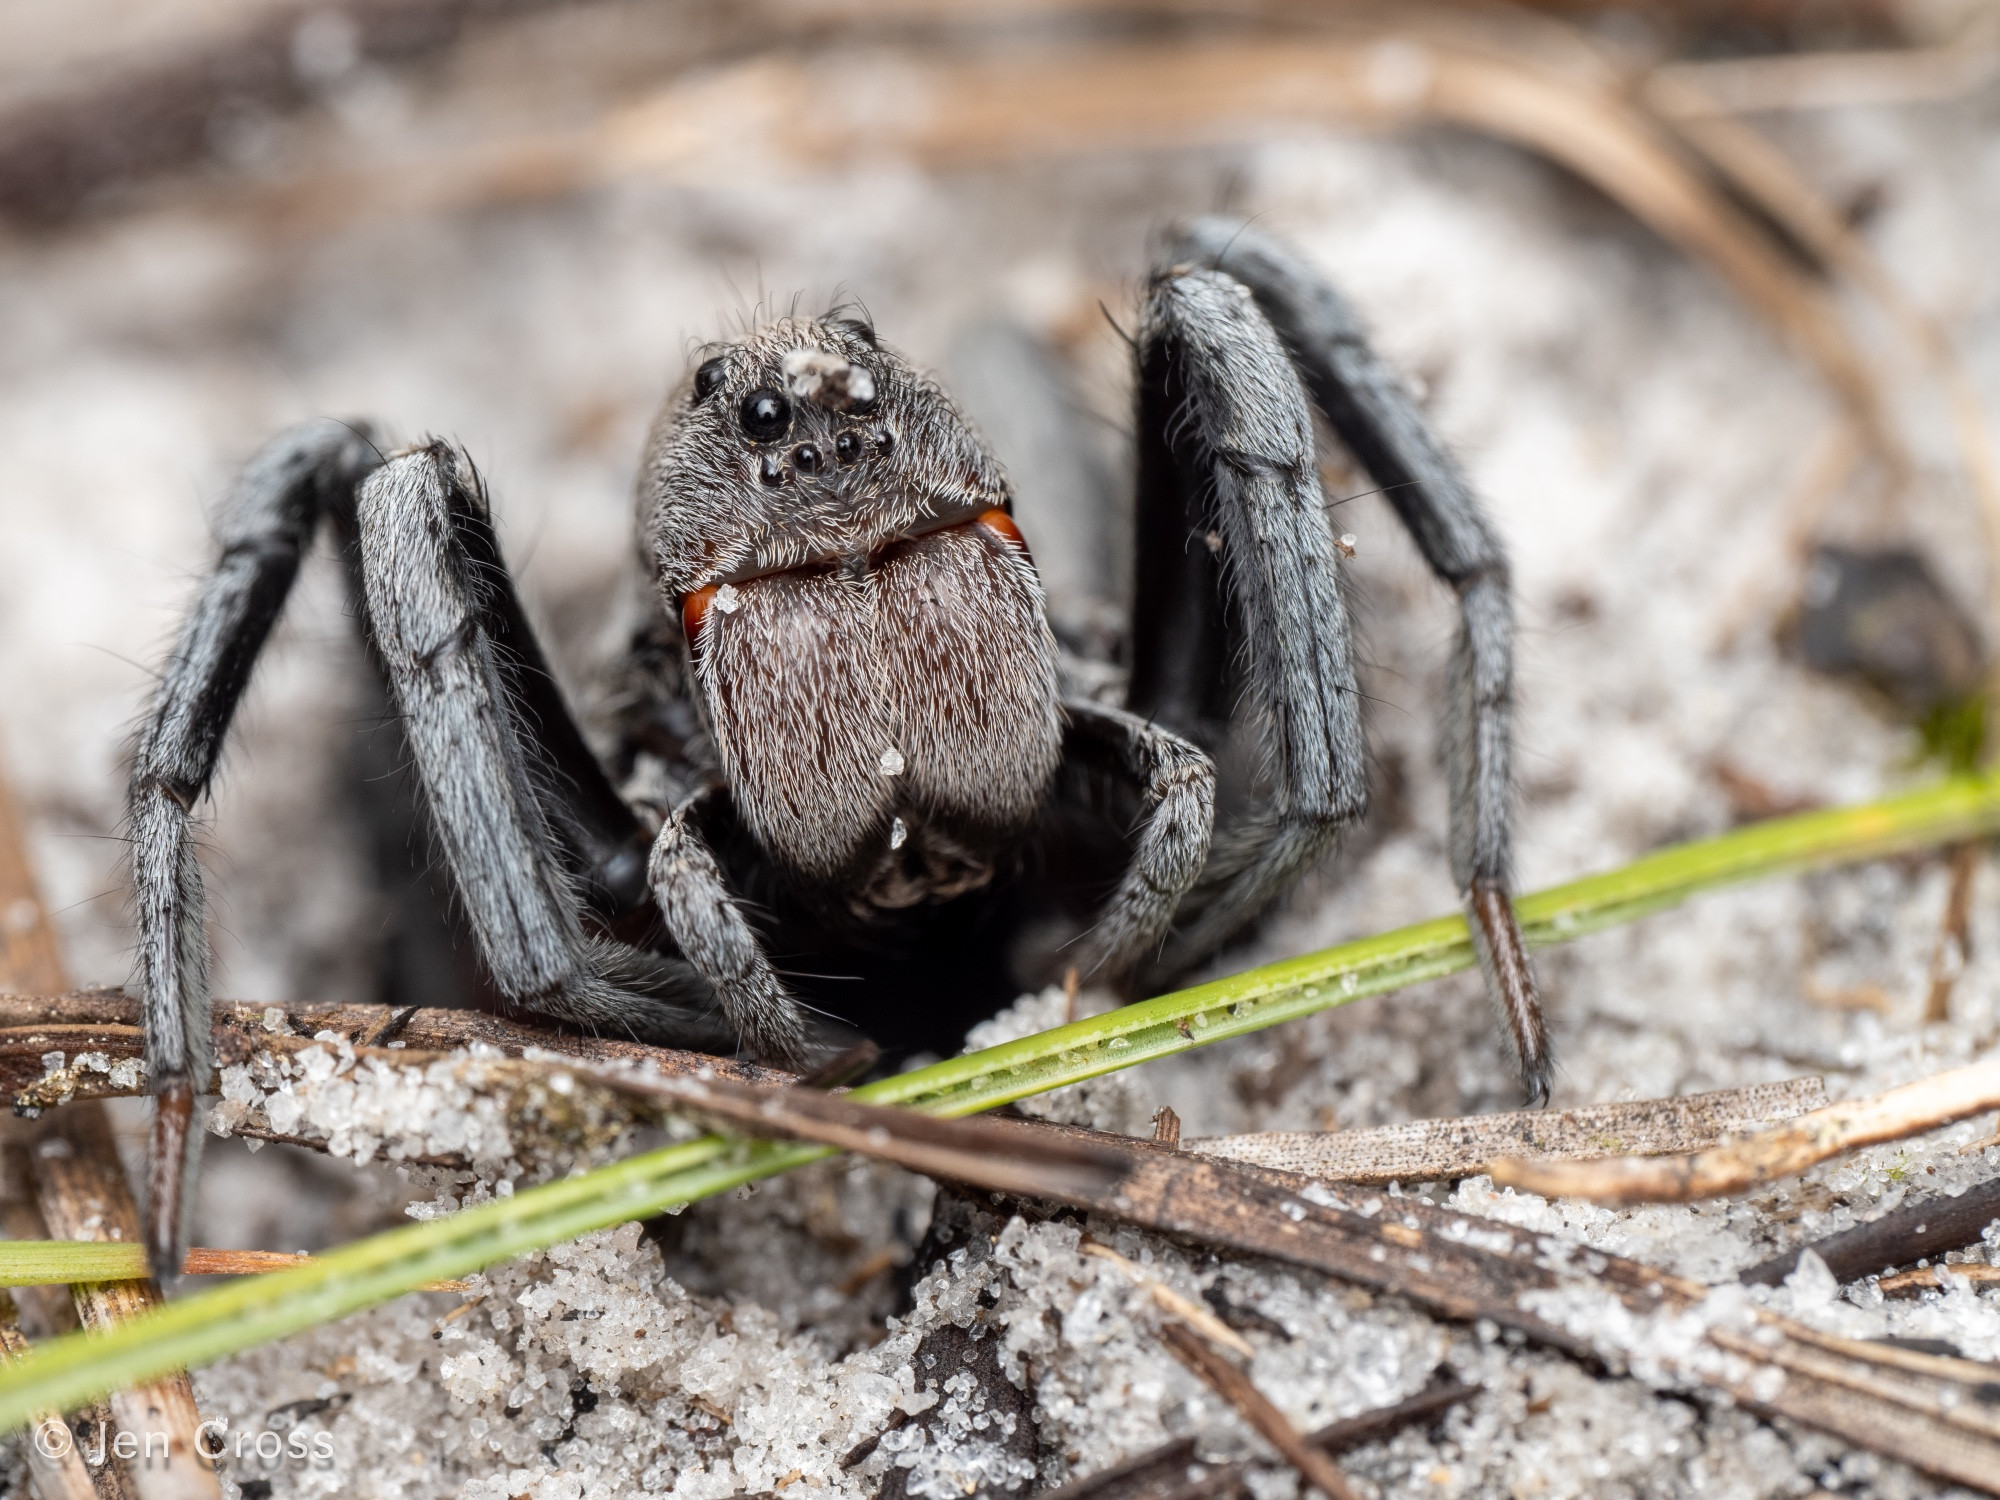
(708, 378)
(806, 457)
(766, 415)
(774, 471)
(885, 442)
(847, 447)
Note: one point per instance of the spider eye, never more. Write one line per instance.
(708, 378)
(766, 415)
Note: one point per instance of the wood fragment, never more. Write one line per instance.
(1426, 1150)
(1931, 1279)
(103, 1025)
(1162, 1472)
(81, 1193)
(1782, 1151)
(1838, 80)
(47, 1312)
(1954, 940)
(862, 1451)
(994, 1154)
(1913, 1232)
(56, 1468)
(1169, 1301)
(1166, 1126)
(1237, 1388)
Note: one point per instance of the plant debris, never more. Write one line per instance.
(1430, 1150)
(1783, 1151)
(1899, 1237)
(1667, 1330)
(1192, 1350)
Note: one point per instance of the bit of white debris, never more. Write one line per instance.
(827, 379)
(727, 599)
(1344, 543)
(899, 834)
(891, 763)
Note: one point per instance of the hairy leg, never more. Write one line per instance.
(1374, 416)
(1239, 592)
(1179, 788)
(430, 576)
(263, 531)
(709, 927)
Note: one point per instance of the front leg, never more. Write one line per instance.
(266, 528)
(1238, 607)
(710, 930)
(1179, 787)
(1381, 426)
(430, 585)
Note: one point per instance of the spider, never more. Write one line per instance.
(878, 792)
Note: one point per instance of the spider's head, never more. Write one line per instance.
(865, 623)
(806, 443)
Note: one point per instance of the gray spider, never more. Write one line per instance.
(882, 805)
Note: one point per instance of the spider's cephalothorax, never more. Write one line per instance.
(864, 621)
(847, 716)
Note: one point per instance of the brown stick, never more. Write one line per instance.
(1230, 1383)
(1162, 1472)
(1910, 1233)
(1954, 943)
(103, 1027)
(1931, 1279)
(81, 1192)
(1781, 1152)
(1427, 1150)
(56, 1469)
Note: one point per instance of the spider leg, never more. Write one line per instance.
(1179, 787)
(432, 581)
(263, 531)
(710, 929)
(1381, 427)
(1237, 574)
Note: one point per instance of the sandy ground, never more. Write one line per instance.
(1636, 433)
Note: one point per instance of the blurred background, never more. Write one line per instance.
(1698, 291)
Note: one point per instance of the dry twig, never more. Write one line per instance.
(1954, 942)
(1428, 1150)
(1780, 1152)
(1906, 1234)
(56, 1469)
(1169, 1301)
(103, 1026)
(1162, 1473)
(1833, 80)
(1255, 1407)
(1931, 1279)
